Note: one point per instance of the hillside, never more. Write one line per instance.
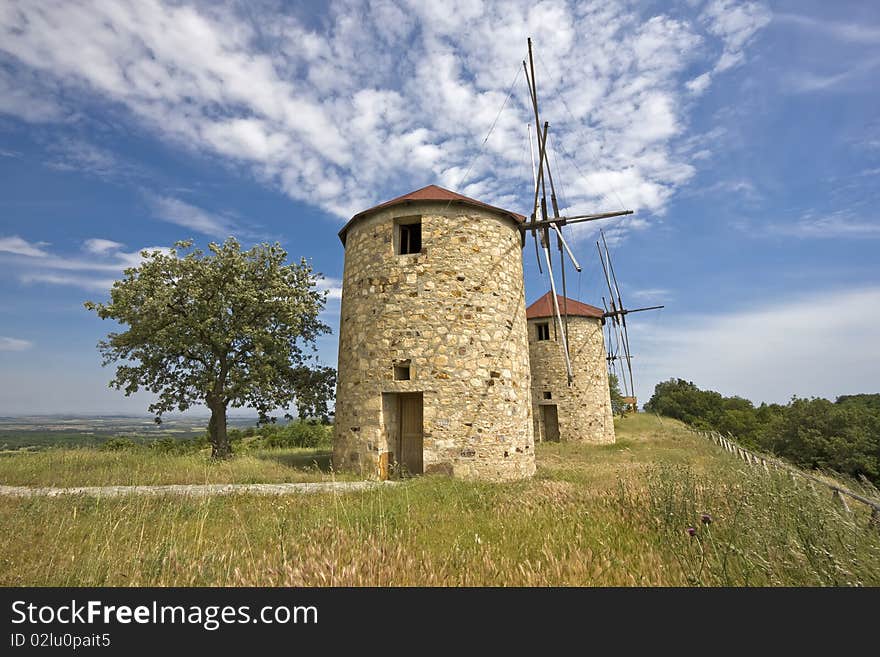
(612, 515)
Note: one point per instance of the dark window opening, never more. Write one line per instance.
(409, 237)
(543, 330)
(548, 394)
(401, 371)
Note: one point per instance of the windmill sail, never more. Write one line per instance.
(618, 342)
(617, 327)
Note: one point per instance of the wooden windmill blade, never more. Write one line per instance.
(541, 191)
(535, 180)
(609, 341)
(612, 347)
(615, 315)
(539, 173)
(626, 351)
(545, 245)
(618, 315)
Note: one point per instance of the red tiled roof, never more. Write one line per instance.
(429, 193)
(543, 307)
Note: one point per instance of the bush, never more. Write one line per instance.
(170, 445)
(295, 434)
(120, 444)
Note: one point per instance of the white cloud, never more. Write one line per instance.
(740, 189)
(840, 224)
(735, 23)
(699, 84)
(342, 116)
(22, 247)
(766, 353)
(28, 97)
(189, 216)
(14, 344)
(81, 156)
(101, 246)
(655, 295)
(333, 286)
(85, 282)
(808, 81)
(105, 261)
(856, 33)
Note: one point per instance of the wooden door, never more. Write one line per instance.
(551, 422)
(411, 437)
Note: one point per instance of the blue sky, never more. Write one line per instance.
(746, 136)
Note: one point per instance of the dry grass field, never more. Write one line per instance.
(616, 515)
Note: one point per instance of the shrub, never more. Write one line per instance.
(168, 445)
(300, 433)
(120, 444)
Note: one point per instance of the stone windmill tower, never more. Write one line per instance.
(433, 369)
(580, 411)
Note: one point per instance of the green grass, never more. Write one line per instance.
(91, 467)
(612, 515)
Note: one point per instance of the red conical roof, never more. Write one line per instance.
(543, 307)
(429, 193)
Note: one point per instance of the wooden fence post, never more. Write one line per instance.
(840, 498)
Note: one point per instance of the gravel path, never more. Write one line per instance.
(196, 490)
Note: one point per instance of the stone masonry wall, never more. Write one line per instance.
(456, 311)
(584, 410)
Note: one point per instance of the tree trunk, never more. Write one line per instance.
(220, 447)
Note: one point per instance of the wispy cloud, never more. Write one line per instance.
(856, 33)
(101, 246)
(92, 283)
(70, 154)
(736, 24)
(808, 81)
(770, 353)
(653, 294)
(331, 114)
(33, 254)
(189, 216)
(699, 84)
(27, 95)
(736, 189)
(836, 225)
(14, 344)
(19, 246)
(99, 257)
(845, 60)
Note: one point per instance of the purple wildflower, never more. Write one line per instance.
(706, 519)
(692, 531)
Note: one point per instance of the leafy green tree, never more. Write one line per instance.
(813, 433)
(316, 386)
(617, 405)
(227, 328)
(682, 400)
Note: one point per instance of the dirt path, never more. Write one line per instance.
(195, 490)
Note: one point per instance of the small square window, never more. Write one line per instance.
(402, 371)
(409, 235)
(548, 394)
(543, 329)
